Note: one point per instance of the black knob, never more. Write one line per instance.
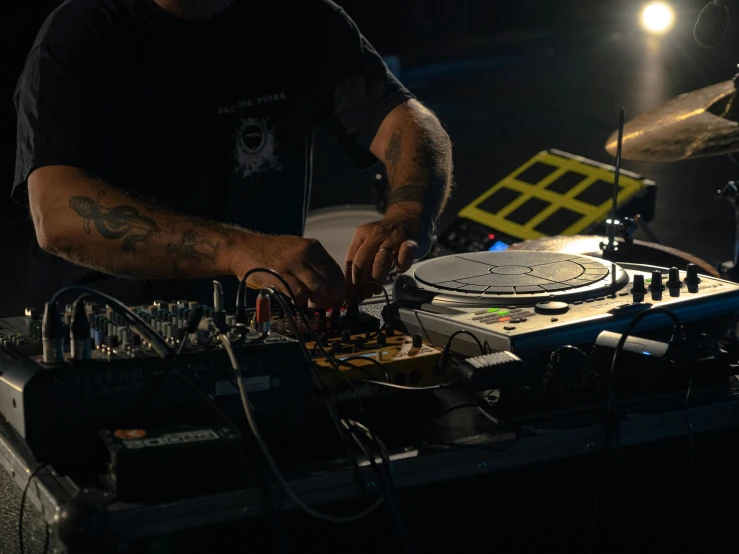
(417, 341)
(656, 284)
(692, 279)
(346, 336)
(638, 290)
(335, 347)
(381, 339)
(323, 339)
(358, 344)
(673, 282)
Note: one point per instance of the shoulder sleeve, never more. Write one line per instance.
(54, 103)
(361, 88)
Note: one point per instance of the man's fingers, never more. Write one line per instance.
(355, 245)
(364, 261)
(384, 260)
(407, 255)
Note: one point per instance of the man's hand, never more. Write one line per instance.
(311, 272)
(376, 248)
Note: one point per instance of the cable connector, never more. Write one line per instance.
(490, 371)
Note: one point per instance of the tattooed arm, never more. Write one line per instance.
(89, 222)
(418, 157)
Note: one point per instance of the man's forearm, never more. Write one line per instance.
(418, 158)
(91, 223)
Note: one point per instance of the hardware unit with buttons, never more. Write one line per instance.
(531, 302)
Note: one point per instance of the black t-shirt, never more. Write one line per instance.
(213, 118)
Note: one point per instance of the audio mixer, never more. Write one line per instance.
(531, 302)
(123, 380)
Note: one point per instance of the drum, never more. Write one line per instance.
(334, 227)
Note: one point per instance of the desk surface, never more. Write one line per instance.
(453, 444)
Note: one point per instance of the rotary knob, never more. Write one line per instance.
(673, 282)
(638, 290)
(691, 278)
(656, 285)
(551, 308)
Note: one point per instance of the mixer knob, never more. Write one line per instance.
(346, 336)
(358, 344)
(417, 341)
(638, 290)
(656, 285)
(673, 282)
(692, 279)
(381, 339)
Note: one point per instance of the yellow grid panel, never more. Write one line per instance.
(589, 214)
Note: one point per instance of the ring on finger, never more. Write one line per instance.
(386, 249)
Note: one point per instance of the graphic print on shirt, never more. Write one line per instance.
(256, 149)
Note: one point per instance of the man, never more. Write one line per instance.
(170, 142)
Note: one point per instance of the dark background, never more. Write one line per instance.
(507, 79)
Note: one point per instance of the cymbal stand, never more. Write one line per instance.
(613, 225)
(730, 193)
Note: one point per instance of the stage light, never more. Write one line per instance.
(657, 17)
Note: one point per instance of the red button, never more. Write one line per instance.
(503, 319)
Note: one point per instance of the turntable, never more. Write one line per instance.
(528, 302)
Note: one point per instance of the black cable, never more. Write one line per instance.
(135, 320)
(387, 303)
(688, 426)
(270, 460)
(318, 383)
(165, 352)
(448, 344)
(309, 360)
(24, 495)
(370, 284)
(446, 351)
(380, 365)
(182, 344)
(401, 387)
(387, 484)
(612, 419)
(554, 363)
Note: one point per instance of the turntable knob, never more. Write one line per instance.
(656, 285)
(551, 308)
(692, 279)
(674, 283)
(638, 290)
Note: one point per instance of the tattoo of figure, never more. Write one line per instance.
(114, 223)
(187, 249)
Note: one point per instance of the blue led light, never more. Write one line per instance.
(498, 246)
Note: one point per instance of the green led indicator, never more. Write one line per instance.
(492, 310)
(503, 312)
(649, 280)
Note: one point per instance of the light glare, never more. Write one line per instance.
(657, 17)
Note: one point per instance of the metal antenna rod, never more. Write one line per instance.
(612, 226)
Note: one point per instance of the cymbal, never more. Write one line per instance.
(639, 252)
(684, 128)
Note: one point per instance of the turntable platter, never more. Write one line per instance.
(517, 277)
